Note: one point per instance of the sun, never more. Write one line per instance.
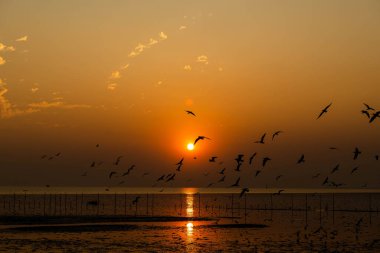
(190, 146)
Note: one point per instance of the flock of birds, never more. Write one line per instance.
(368, 111)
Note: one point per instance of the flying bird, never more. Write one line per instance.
(111, 174)
(180, 163)
(374, 116)
(366, 113)
(201, 138)
(356, 152)
(265, 160)
(257, 172)
(170, 178)
(212, 159)
(251, 158)
(134, 202)
(222, 171)
(325, 181)
(129, 170)
(92, 164)
(278, 177)
(222, 179)
(368, 108)
(302, 159)
(236, 184)
(239, 158)
(261, 141)
(238, 166)
(244, 190)
(190, 113)
(161, 178)
(58, 154)
(336, 168)
(377, 157)
(118, 160)
(276, 134)
(354, 169)
(97, 145)
(324, 110)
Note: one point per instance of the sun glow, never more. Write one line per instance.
(190, 146)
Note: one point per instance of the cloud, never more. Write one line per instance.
(163, 36)
(34, 89)
(115, 75)
(25, 38)
(182, 27)
(56, 104)
(124, 67)
(7, 110)
(142, 46)
(202, 59)
(6, 48)
(2, 61)
(187, 68)
(111, 86)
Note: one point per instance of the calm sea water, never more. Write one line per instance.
(298, 220)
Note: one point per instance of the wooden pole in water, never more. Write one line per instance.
(65, 203)
(152, 204)
(147, 204)
(98, 207)
(44, 203)
(180, 201)
(199, 204)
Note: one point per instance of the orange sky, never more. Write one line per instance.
(122, 74)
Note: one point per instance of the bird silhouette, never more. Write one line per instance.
(356, 152)
(236, 184)
(261, 141)
(222, 179)
(368, 108)
(324, 111)
(161, 178)
(134, 202)
(170, 178)
(238, 166)
(302, 159)
(278, 177)
(374, 116)
(93, 164)
(239, 158)
(354, 169)
(190, 113)
(276, 134)
(201, 138)
(118, 159)
(376, 157)
(111, 174)
(244, 190)
(325, 181)
(129, 170)
(222, 171)
(257, 172)
(212, 159)
(97, 145)
(180, 163)
(336, 168)
(366, 113)
(333, 148)
(251, 158)
(58, 154)
(265, 160)
(279, 192)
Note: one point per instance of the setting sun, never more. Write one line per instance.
(190, 146)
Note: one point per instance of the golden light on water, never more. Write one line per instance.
(190, 205)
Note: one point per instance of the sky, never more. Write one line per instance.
(121, 74)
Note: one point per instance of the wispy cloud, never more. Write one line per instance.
(2, 61)
(115, 75)
(187, 68)
(6, 48)
(56, 104)
(24, 38)
(34, 89)
(182, 27)
(111, 86)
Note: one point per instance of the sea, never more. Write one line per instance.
(120, 219)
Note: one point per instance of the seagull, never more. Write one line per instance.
(335, 168)
(251, 158)
(129, 170)
(180, 163)
(366, 113)
(161, 178)
(302, 159)
(118, 160)
(257, 172)
(92, 164)
(111, 174)
(239, 158)
(324, 110)
(374, 116)
(170, 178)
(265, 160)
(238, 166)
(276, 134)
(377, 157)
(354, 169)
(222, 179)
(210, 184)
(244, 190)
(190, 112)
(261, 141)
(278, 193)
(222, 171)
(212, 159)
(278, 177)
(326, 181)
(200, 138)
(369, 108)
(356, 152)
(236, 184)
